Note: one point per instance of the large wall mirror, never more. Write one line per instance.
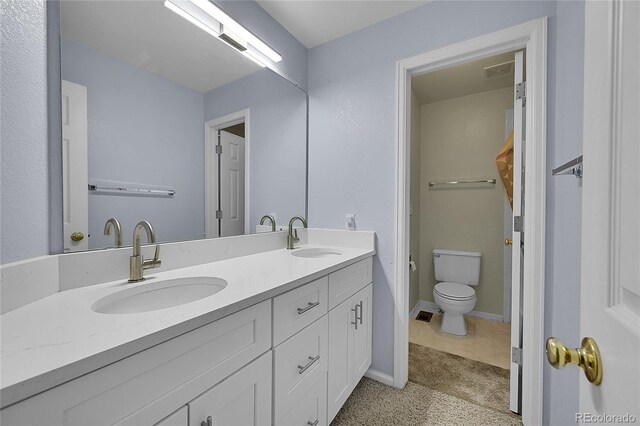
(163, 122)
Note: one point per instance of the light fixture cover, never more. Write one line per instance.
(208, 17)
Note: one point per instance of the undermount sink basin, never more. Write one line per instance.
(316, 253)
(159, 295)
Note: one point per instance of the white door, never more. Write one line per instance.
(610, 288)
(74, 167)
(517, 253)
(231, 184)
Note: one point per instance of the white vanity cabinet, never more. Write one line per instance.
(290, 360)
(349, 333)
(145, 388)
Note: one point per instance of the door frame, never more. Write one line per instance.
(211, 191)
(531, 36)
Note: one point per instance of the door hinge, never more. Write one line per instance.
(518, 223)
(218, 214)
(218, 149)
(521, 92)
(516, 355)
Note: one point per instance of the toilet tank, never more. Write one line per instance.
(462, 267)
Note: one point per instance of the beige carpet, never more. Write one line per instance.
(375, 404)
(473, 381)
(443, 389)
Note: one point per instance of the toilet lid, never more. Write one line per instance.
(455, 291)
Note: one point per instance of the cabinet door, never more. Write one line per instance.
(340, 380)
(243, 399)
(179, 418)
(362, 333)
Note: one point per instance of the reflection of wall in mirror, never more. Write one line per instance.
(277, 140)
(144, 129)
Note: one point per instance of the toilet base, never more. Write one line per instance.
(453, 323)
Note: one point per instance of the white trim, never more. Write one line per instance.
(532, 36)
(379, 377)
(425, 305)
(209, 154)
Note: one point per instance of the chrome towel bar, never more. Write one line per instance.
(458, 182)
(573, 167)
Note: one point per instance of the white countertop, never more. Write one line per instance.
(59, 338)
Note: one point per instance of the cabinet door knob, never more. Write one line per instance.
(208, 422)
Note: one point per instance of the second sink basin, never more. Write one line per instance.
(159, 295)
(315, 253)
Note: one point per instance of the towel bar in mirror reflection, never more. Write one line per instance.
(462, 182)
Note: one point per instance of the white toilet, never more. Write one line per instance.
(456, 272)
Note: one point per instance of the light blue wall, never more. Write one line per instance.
(564, 200)
(352, 146)
(143, 129)
(277, 141)
(24, 174)
(294, 55)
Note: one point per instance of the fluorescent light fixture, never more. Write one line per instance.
(247, 54)
(185, 9)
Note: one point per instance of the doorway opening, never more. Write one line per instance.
(527, 351)
(461, 197)
(227, 175)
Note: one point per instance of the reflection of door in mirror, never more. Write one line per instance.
(231, 183)
(74, 163)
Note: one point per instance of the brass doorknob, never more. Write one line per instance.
(587, 357)
(508, 242)
(77, 236)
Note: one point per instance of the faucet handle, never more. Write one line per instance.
(156, 262)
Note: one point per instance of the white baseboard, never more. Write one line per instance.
(424, 305)
(379, 377)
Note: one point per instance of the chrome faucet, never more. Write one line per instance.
(292, 237)
(113, 224)
(273, 221)
(137, 264)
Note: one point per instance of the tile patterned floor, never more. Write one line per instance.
(486, 340)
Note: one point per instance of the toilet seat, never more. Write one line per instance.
(454, 291)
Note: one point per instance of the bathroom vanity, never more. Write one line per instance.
(285, 341)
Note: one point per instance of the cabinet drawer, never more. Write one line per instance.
(348, 281)
(298, 308)
(298, 364)
(242, 399)
(311, 408)
(148, 386)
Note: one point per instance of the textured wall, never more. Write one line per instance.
(143, 129)
(460, 140)
(564, 201)
(352, 144)
(277, 141)
(24, 175)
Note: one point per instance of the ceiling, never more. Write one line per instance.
(461, 80)
(149, 36)
(314, 22)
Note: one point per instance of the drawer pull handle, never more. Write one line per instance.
(312, 359)
(310, 306)
(360, 317)
(313, 423)
(208, 422)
